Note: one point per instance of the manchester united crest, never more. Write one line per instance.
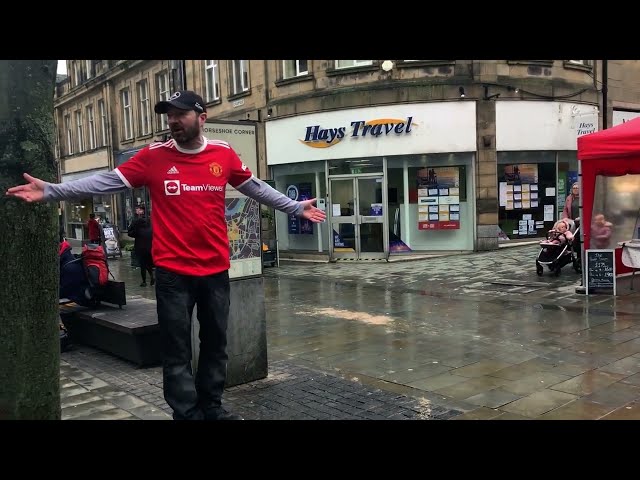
(215, 169)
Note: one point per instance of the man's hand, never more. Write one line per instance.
(312, 213)
(31, 192)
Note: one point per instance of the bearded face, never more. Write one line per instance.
(184, 125)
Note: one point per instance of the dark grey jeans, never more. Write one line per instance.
(176, 296)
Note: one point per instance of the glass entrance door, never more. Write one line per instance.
(358, 218)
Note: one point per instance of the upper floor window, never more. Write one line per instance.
(353, 63)
(294, 68)
(80, 128)
(145, 112)
(92, 127)
(162, 83)
(579, 62)
(127, 114)
(102, 111)
(77, 73)
(240, 76)
(80, 71)
(212, 80)
(68, 129)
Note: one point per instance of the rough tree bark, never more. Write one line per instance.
(29, 338)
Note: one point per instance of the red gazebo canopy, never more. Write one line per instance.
(611, 153)
(619, 142)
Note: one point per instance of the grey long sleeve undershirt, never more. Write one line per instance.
(110, 182)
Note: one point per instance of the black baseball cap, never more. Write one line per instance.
(184, 100)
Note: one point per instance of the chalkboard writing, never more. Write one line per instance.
(601, 270)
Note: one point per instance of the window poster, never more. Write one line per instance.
(439, 187)
(301, 191)
(521, 174)
(522, 180)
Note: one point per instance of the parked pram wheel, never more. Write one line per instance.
(539, 269)
(557, 270)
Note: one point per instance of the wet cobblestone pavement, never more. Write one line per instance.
(116, 389)
(473, 336)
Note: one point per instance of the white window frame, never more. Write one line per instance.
(239, 76)
(77, 73)
(211, 80)
(145, 109)
(162, 83)
(294, 66)
(69, 129)
(92, 127)
(127, 115)
(352, 63)
(103, 121)
(80, 129)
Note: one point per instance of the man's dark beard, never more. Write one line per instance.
(187, 134)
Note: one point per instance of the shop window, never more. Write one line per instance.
(528, 194)
(129, 200)
(77, 214)
(436, 212)
(567, 176)
(299, 181)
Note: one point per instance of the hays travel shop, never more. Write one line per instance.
(318, 137)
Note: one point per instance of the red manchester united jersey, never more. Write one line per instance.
(187, 190)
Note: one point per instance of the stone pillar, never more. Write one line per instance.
(246, 333)
(486, 176)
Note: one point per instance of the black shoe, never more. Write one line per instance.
(153, 282)
(143, 284)
(221, 414)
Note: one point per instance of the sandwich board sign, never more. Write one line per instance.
(601, 270)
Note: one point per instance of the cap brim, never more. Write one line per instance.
(163, 107)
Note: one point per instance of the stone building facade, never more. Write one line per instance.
(406, 156)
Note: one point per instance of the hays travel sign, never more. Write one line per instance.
(318, 137)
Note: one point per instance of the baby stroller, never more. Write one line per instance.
(556, 256)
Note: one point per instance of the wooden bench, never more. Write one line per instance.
(131, 333)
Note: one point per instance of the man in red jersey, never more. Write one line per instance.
(186, 177)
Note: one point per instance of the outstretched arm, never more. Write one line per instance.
(263, 193)
(37, 190)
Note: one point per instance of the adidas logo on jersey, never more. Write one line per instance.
(173, 170)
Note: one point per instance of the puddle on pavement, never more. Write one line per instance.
(349, 315)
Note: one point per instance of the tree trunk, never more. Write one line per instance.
(29, 337)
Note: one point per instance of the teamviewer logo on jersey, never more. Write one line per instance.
(172, 187)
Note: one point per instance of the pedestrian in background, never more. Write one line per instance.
(140, 231)
(94, 229)
(190, 243)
